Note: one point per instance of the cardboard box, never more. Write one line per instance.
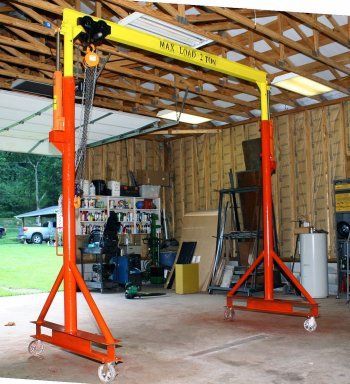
(80, 241)
(247, 247)
(301, 230)
(186, 278)
(146, 177)
(149, 191)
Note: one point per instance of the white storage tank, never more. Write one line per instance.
(313, 264)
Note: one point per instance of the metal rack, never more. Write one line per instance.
(237, 235)
(342, 213)
(101, 283)
(343, 267)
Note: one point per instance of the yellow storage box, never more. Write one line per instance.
(186, 278)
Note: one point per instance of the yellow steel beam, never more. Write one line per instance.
(151, 43)
(264, 97)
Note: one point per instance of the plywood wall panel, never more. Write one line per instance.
(189, 175)
(346, 113)
(285, 211)
(309, 155)
(114, 160)
(252, 131)
(200, 144)
(238, 135)
(300, 170)
(336, 162)
(177, 163)
(227, 157)
(319, 170)
(214, 164)
(311, 149)
(98, 168)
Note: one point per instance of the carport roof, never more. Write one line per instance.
(25, 122)
(48, 211)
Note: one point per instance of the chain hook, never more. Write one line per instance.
(91, 58)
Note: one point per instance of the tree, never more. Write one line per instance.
(35, 164)
(28, 182)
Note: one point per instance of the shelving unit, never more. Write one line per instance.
(95, 211)
(342, 214)
(92, 214)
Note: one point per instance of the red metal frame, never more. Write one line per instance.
(68, 336)
(268, 256)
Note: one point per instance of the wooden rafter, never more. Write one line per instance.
(337, 36)
(27, 50)
(228, 42)
(246, 22)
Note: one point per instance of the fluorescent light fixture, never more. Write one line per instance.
(165, 30)
(183, 117)
(300, 84)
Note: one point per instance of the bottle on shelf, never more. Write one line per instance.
(135, 217)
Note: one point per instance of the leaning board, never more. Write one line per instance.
(201, 227)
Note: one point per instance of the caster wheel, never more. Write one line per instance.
(229, 314)
(36, 348)
(107, 372)
(310, 324)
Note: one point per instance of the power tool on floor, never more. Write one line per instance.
(132, 291)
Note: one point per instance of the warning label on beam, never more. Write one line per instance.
(187, 52)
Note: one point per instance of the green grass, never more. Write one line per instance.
(26, 268)
(9, 238)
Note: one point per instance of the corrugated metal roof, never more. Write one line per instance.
(26, 121)
(48, 211)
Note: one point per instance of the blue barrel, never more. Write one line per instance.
(167, 258)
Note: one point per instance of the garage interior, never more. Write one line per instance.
(193, 180)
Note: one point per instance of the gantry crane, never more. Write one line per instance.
(68, 336)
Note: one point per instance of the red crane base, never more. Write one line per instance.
(82, 343)
(308, 308)
(276, 306)
(93, 346)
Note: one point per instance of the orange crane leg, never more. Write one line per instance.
(268, 257)
(68, 336)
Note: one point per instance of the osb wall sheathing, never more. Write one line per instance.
(113, 161)
(311, 149)
(200, 166)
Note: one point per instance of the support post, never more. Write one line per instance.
(267, 209)
(68, 189)
(68, 185)
(267, 167)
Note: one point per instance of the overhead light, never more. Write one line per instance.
(183, 117)
(300, 84)
(160, 28)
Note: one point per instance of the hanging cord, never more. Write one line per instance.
(178, 114)
(183, 103)
(254, 18)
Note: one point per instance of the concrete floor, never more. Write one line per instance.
(184, 339)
